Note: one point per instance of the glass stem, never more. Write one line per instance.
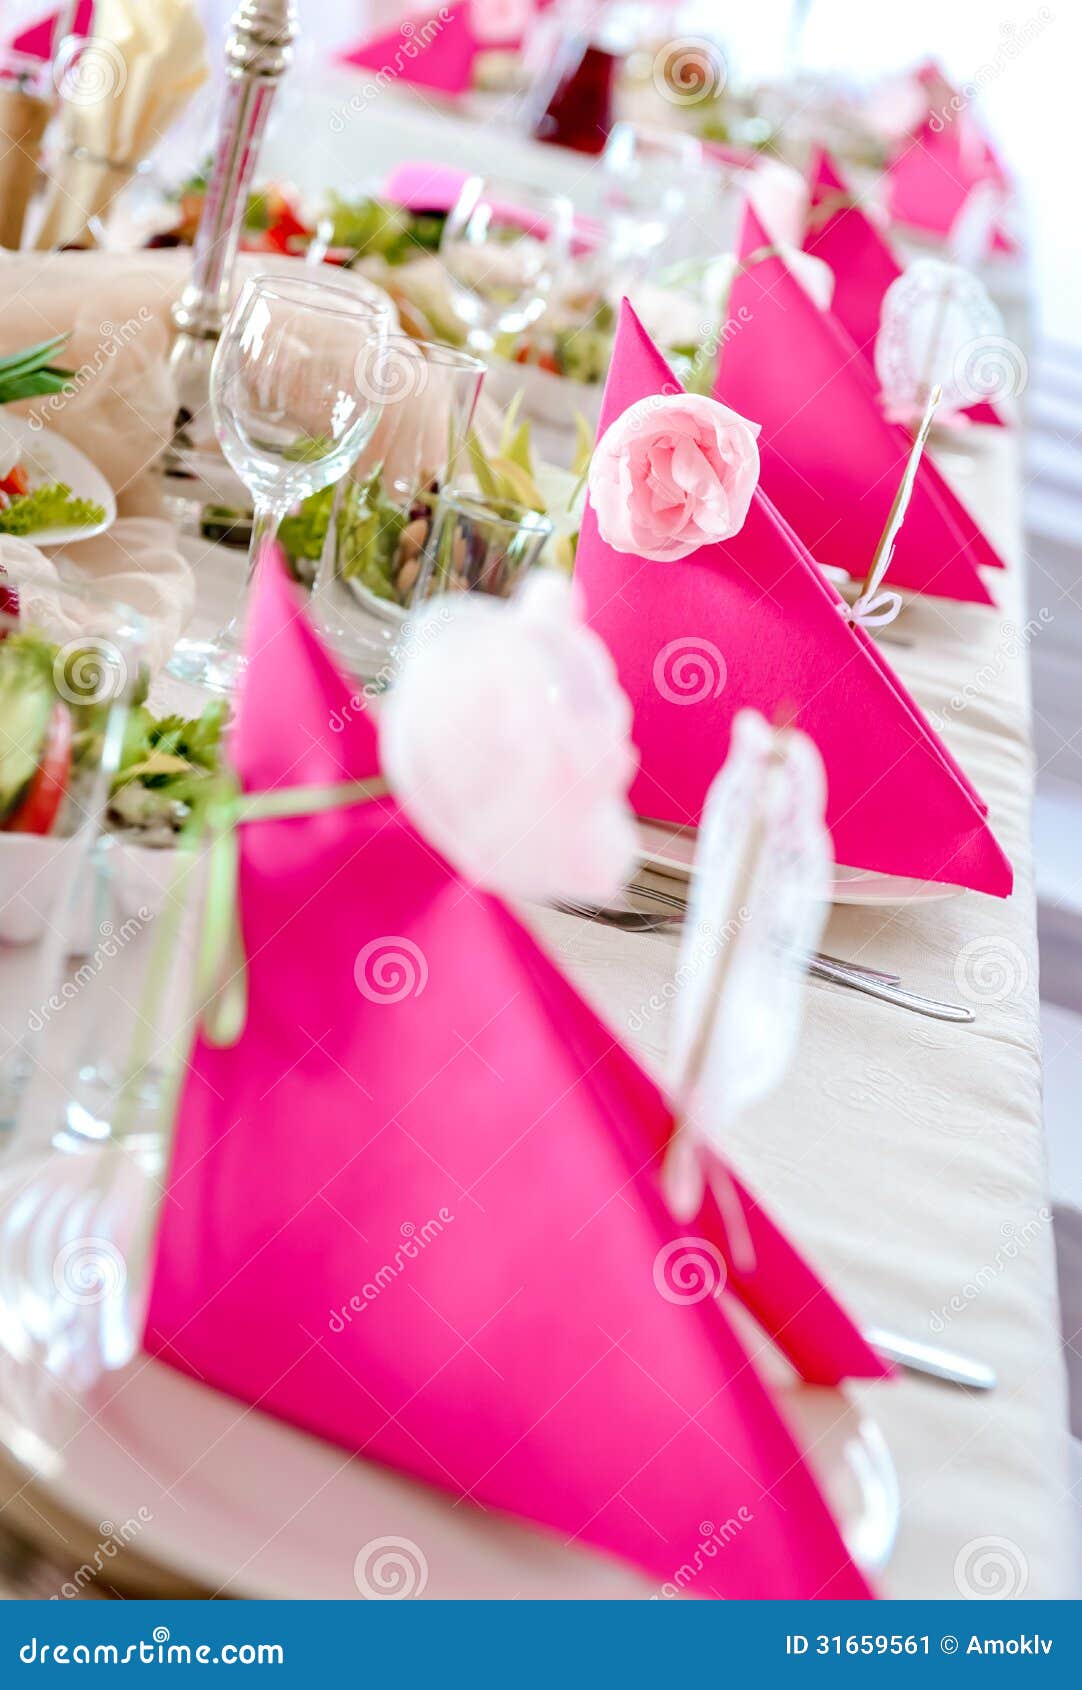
(266, 520)
(265, 524)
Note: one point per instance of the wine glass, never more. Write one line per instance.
(293, 406)
(381, 514)
(504, 244)
(650, 178)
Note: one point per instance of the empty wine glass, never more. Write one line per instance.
(650, 178)
(504, 244)
(292, 406)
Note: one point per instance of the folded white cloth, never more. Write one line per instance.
(115, 310)
(135, 563)
(119, 411)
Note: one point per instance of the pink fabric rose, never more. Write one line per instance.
(673, 474)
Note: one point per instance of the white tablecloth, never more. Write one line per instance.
(906, 1155)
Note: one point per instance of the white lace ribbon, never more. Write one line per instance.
(872, 610)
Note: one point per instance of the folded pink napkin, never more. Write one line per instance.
(753, 622)
(863, 264)
(416, 1209)
(831, 461)
(37, 41)
(742, 158)
(434, 51)
(425, 186)
(938, 166)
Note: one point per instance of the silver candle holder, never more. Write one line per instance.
(258, 52)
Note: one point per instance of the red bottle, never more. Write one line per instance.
(579, 108)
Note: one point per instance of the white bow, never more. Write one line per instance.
(872, 610)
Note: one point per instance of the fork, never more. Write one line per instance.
(672, 901)
(836, 972)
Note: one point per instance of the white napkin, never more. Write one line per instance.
(119, 412)
(139, 69)
(135, 564)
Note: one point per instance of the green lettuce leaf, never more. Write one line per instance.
(51, 506)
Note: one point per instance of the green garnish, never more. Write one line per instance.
(34, 675)
(301, 535)
(31, 373)
(51, 506)
(508, 476)
(374, 228)
(167, 769)
(369, 529)
(168, 765)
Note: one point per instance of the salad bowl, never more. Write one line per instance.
(81, 756)
(50, 461)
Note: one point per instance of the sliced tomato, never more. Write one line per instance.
(284, 229)
(542, 360)
(40, 806)
(16, 483)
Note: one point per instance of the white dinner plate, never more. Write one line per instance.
(670, 850)
(240, 1503)
(49, 457)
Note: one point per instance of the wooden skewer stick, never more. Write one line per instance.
(884, 551)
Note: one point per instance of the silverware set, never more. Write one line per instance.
(926, 1360)
(836, 971)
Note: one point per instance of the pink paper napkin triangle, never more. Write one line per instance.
(291, 681)
(937, 167)
(754, 623)
(429, 52)
(862, 262)
(831, 461)
(425, 185)
(416, 1208)
(37, 41)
